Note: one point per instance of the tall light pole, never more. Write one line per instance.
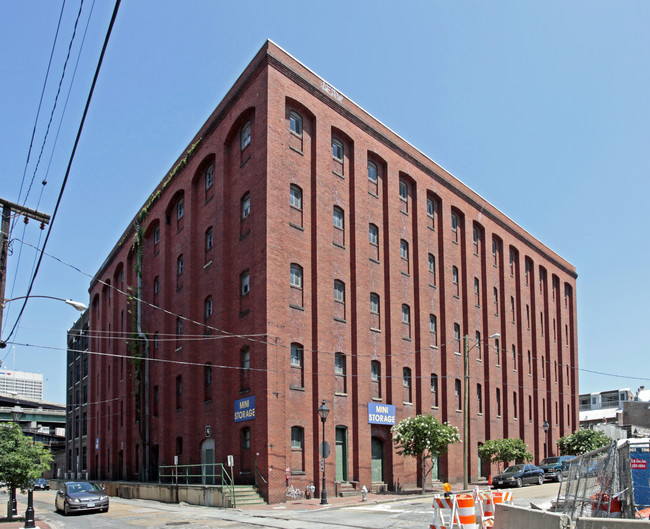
(466, 409)
(546, 426)
(323, 412)
(76, 304)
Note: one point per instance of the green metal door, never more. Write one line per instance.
(377, 460)
(341, 453)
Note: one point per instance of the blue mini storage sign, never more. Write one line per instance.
(245, 409)
(381, 413)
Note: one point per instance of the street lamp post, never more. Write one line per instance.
(466, 409)
(76, 304)
(323, 412)
(546, 426)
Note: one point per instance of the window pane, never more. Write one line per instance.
(338, 218)
(245, 135)
(337, 150)
(295, 123)
(296, 276)
(403, 190)
(296, 197)
(372, 172)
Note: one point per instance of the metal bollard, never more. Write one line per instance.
(364, 493)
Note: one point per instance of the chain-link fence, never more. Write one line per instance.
(600, 483)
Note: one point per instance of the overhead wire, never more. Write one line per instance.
(176, 336)
(67, 173)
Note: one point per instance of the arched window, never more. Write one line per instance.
(295, 196)
(245, 206)
(337, 150)
(209, 176)
(295, 123)
(296, 275)
(372, 172)
(245, 282)
(245, 135)
(339, 291)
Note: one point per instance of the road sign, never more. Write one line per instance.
(324, 449)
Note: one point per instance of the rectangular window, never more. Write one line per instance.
(246, 206)
(498, 402)
(454, 279)
(459, 394)
(479, 346)
(296, 355)
(245, 283)
(373, 235)
(374, 303)
(479, 398)
(477, 292)
(454, 227)
(434, 390)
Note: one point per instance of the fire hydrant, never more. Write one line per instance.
(364, 493)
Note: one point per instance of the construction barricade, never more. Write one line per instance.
(464, 508)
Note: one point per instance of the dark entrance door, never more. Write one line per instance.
(377, 460)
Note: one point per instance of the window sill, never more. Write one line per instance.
(404, 212)
(340, 320)
(297, 307)
(296, 150)
(372, 259)
(244, 162)
(179, 348)
(373, 194)
(456, 296)
(432, 285)
(455, 242)
(339, 394)
(338, 244)
(298, 472)
(406, 338)
(405, 403)
(434, 407)
(338, 174)
(180, 229)
(244, 312)
(431, 228)
(406, 274)
(477, 306)
(457, 353)
(243, 235)
(207, 265)
(376, 399)
(179, 288)
(374, 329)
(245, 390)
(433, 347)
(207, 401)
(296, 388)
(296, 226)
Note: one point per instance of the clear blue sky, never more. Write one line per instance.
(541, 107)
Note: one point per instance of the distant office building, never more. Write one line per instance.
(29, 385)
(301, 251)
(76, 440)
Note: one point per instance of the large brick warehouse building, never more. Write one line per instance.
(300, 251)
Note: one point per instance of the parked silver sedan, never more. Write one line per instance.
(74, 496)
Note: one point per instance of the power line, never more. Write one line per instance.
(67, 173)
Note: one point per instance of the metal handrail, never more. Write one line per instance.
(258, 473)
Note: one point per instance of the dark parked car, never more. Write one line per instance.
(517, 475)
(554, 467)
(76, 496)
(41, 484)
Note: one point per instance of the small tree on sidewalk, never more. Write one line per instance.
(21, 460)
(424, 437)
(581, 442)
(503, 451)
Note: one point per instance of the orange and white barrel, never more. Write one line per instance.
(466, 511)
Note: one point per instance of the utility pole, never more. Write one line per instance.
(7, 209)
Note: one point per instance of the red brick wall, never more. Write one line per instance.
(276, 235)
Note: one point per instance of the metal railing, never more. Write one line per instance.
(212, 474)
(258, 473)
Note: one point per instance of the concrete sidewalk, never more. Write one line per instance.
(373, 498)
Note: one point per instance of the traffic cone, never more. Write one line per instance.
(490, 479)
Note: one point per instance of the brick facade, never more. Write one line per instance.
(322, 283)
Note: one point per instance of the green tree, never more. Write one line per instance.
(21, 460)
(424, 437)
(503, 451)
(581, 442)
